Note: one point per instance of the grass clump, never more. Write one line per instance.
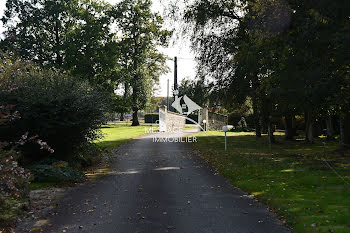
(11, 209)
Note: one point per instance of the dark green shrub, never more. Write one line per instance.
(62, 111)
(87, 155)
(151, 118)
(48, 161)
(49, 173)
(11, 209)
(234, 118)
(193, 117)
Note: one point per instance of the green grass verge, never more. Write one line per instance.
(116, 135)
(10, 210)
(290, 177)
(41, 185)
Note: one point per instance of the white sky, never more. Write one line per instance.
(186, 62)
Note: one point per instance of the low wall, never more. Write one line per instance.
(173, 121)
(214, 121)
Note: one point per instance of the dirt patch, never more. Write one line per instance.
(42, 204)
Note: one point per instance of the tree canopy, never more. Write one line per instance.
(70, 35)
(115, 46)
(141, 63)
(288, 56)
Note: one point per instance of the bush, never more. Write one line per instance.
(47, 161)
(11, 209)
(234, 118)
(62, 111)
(88, 155)
(14, 189)
(56, 174)
(193, 117)
(14, 180)
(151, 118)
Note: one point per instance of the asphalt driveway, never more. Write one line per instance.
(161, 187)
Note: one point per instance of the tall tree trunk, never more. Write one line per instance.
(257, 127)
(255, 87)
(330, 128)
(309, 127)
(270, 133)
(345, 132)
(256, 118)
(125, 98)
(135, 109)
(289, 129)
(135, 118)
(294, 125)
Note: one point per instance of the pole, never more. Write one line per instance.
(175, 73)
(225, 142)
(167, 95)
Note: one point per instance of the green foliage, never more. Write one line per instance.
(48, 161)
(286, 56)
(141, 64)
(196, 90)
(72, 35)
(87, 154)
(121, 104)
(63, 111)
(49, 173)
(14, 180)
(193, 117)
(155, 102)
(151, 117)
(14, 189)
(11, 209)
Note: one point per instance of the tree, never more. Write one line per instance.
(285, 55)
(71, 35)
(121, 105)
(225, 52)
(141, 62)
(196, 90)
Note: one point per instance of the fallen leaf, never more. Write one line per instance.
(41, 222)
(35, 229)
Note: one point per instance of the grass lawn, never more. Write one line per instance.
(115, 135)
(290, 177)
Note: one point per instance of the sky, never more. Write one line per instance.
(186, 63)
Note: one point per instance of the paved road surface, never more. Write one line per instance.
(161, 187)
